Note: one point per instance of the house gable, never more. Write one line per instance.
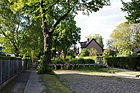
(95, 45)
(92, 44)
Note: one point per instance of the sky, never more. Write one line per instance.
(102, 22)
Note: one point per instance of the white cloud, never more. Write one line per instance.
(102, 22)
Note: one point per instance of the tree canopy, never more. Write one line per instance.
(133, 10)
(52, 13)
(126, 37)
(10, 28)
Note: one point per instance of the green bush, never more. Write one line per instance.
(124, 53)
(109, 52)
(132, 63)
(73, 61)
(84, 52)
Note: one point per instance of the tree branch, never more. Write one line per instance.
(61, 18)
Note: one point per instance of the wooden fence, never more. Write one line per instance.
(9, 67)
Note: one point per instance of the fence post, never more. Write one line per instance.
(0, 71)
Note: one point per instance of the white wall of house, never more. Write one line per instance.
(79, 47)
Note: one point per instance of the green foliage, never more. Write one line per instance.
(84, 52)
(19, 34)
(73, 61)
(65, 35)
(8, 58)
(53, 12)
(126, 37)
(40, 69)
(124, 53)
(28, 63)
(123, 62)
(109, 52)
(133, 10)
(10, 28)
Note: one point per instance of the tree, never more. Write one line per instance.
(126, 37)
(109, 52)
(84, 52)
(133, 10)
(10, 28)
(32, 39)
(52, 12)
(19, 37)
(65, 35)
(98, 38)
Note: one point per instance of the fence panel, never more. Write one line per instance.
(9, 67)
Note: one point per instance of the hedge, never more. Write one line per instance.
(73, 61)
(132, 63)
(8, 58)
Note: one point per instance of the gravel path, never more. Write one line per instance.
(82, 82)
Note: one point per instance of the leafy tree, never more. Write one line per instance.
(124, 53)
(126, 37)
(65, 35)
(109, 52)
(10, 29)
(19, 37)
(98, 38)
(52, 12)
(109, 43)
(32, 39)
(84, 52)
(133, 10)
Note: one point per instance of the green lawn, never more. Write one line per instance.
(53, 85)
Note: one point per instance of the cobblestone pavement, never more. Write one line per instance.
(84, 83)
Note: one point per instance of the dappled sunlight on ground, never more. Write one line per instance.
(118, 74)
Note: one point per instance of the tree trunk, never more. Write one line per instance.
(47, 49)
(16, 52)
(47, 37)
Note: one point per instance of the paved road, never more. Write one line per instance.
(88, 83)
(17, 85)
(34, 84)
(26, 82)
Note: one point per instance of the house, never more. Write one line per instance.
(89, 44)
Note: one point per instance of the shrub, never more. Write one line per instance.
(132, 63)
(73, 61)
(84, 52)
(124, 53)
(109, 52)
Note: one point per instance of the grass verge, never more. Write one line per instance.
(53, 85)
(98, 69)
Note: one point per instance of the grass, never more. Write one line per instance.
(98, 69)
(90, 57)
(53, 85)
(130, 73)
